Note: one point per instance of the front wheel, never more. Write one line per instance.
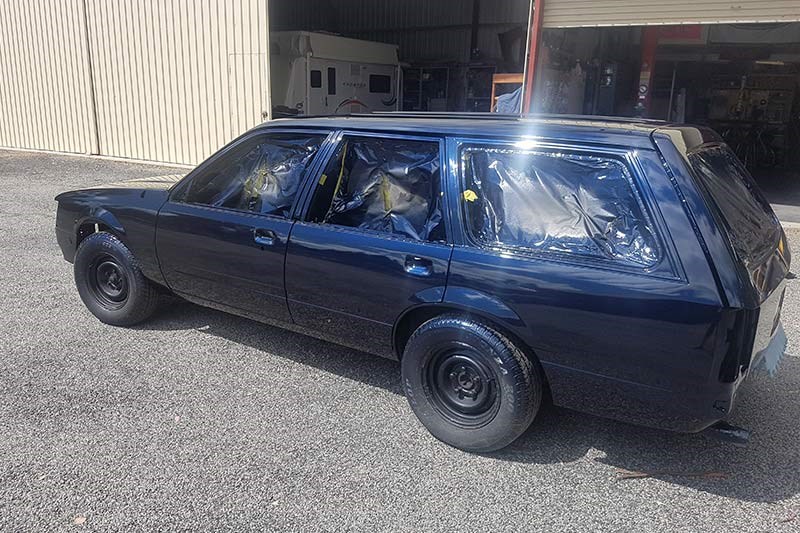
(110, 282)
(470, 385)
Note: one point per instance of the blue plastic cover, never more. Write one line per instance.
(557, 202)
(510, 102)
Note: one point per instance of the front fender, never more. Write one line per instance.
(100, 215)
(72, 217)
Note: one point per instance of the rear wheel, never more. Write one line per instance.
(110, 282)
(469, 384)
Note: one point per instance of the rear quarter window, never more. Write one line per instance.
(575, 206)
(751, 225)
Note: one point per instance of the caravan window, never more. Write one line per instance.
(331, 80)
(316, 79)
(380, 83)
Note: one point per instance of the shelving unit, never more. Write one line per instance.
(478, 97)
(425, 88)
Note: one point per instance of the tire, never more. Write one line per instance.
(110, 282)
(469, 385)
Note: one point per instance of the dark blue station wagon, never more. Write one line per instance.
(628, 269)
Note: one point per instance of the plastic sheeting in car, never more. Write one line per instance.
(557, 202)
(387, 185)
(261, 177)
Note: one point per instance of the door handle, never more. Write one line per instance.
(418, 266)
(264, 237)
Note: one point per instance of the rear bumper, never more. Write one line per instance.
(685, 410)
(768, 359)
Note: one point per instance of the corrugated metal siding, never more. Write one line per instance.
(575, 13)
(172, 80)
(175, 80)
(45, 99)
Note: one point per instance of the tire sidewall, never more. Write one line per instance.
(88, 251)
(517, 398)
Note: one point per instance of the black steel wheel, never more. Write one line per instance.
(463, 388)
(107, 281)
(110, 282)
(469, 384)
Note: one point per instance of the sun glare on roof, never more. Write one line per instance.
(526, 144)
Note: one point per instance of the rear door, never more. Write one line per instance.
(372, 242)
(221, 237)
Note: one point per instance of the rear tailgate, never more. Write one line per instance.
(756, 237)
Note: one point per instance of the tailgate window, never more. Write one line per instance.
(749, 221)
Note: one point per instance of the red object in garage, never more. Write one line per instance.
(534, 45)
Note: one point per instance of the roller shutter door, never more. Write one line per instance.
(577, 13)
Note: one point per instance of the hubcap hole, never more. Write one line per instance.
(108, 281)
(463, 387)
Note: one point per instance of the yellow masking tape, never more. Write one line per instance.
(470, 196)
(387, 202)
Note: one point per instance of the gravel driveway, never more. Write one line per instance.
(202, 421)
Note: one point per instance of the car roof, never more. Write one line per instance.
(591, 129)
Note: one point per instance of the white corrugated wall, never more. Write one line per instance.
(575, 13)
(170, 80)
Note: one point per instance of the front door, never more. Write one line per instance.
(221, 238)
(372, 243)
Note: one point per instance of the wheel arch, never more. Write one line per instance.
(95, 220)
(415, 316)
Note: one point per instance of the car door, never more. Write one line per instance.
(372, 241)
(221, 237)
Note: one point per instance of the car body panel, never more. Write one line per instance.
(131, 212)
(354, 284)
(213, 255)
(666, 347)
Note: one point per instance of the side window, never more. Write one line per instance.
(557, 203)
(261, 175)
(316, 79)
(389, 185)
(380, 83)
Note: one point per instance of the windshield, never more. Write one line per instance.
(751, 225)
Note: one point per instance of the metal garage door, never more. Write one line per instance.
(176, 80)
(45, 92)
(575, 13)
(166, 80)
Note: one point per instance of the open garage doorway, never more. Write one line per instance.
(742, 80)
(357, 56)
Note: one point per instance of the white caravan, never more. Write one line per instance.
(322, 74)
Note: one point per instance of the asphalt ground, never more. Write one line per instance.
(198, 420)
